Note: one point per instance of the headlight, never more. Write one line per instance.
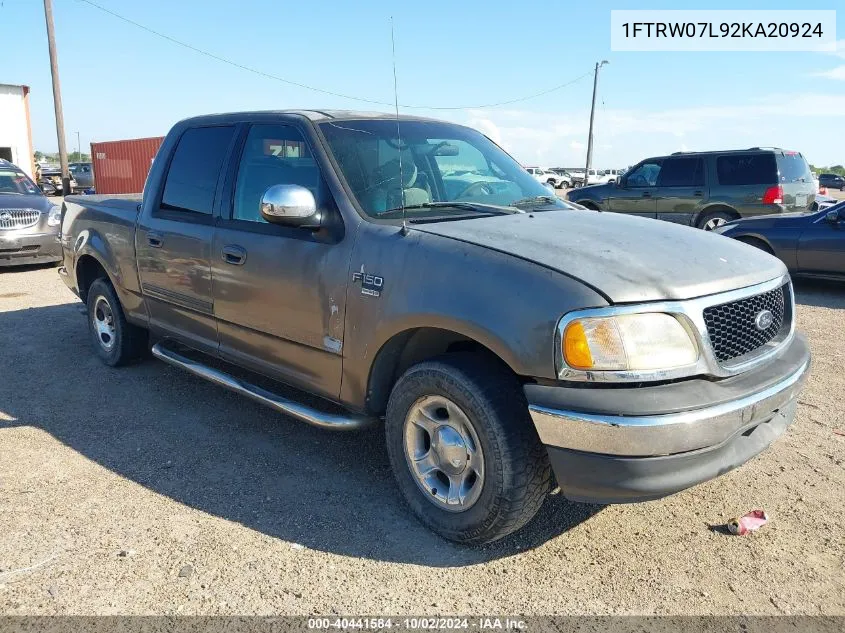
(55, 217)
(627, 342)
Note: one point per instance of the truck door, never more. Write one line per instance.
(173, 240)
(635, 196)
(280, 292)
(680, 189)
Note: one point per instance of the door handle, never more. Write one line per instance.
(698, 194)
(234, 255)
(154, 239)
(646, 194)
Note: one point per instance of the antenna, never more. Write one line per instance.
(398, 132)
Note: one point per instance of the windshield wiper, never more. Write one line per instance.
(491, 209)
(535, 201)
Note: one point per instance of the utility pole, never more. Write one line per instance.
(592, 116)
(57, 96)
(78, 148)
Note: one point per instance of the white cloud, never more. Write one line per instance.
(624, 136)
(487, 127)
(833, 73)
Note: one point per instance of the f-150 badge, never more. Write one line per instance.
(370, 284)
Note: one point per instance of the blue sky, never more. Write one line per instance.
(119, 81)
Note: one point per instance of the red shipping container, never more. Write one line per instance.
(122, 166)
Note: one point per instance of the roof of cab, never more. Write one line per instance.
(312, 115)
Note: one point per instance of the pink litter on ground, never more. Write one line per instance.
(754, 520)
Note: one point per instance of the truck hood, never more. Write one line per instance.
(627, 259)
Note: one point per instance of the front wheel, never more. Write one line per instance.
(464, 450)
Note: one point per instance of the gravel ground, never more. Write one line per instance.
(144, 490)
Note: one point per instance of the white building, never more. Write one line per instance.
(15, 128)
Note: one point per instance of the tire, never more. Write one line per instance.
(504, 472)
(116, 341)
(756, 243)
(715, 219)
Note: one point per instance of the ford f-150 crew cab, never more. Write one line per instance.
(410, 271)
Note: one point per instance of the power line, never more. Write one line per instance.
(266, 75)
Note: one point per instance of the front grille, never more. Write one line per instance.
(733, 329)
(18, 218)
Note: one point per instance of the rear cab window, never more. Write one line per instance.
(195, 169)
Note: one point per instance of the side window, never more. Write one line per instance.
(682, 172)
(273, 155)
(195, 168)
(747, 169)
(644, 174)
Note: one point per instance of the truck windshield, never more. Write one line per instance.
(434, 164)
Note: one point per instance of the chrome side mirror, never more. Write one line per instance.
(832, 217)
(290, 205)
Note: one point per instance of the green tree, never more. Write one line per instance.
(76, 157)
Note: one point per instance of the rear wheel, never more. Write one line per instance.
(116, 341)
(715, 219)
(463, 449)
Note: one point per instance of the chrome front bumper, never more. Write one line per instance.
(667, 434)
(21, 247)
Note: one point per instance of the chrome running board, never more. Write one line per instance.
(315, 417)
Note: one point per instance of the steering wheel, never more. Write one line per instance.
(484, 187)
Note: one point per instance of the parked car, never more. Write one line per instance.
(707, 189)
(53, 175)
(29, 222)
(593, 178)
(832, 181)
(546, 176)
(564, 176)
(610, 175)
(823, 202)
(83, 176)
(431, 282)
(47, 188)
(810, 244)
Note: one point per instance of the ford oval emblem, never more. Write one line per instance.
(764, 320)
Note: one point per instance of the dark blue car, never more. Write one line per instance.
(810, 244)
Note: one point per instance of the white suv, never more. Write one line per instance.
(610, 175)
(546, 177)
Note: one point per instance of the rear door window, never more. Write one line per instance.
(195, 168)
(746, 169)
(682, 172)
